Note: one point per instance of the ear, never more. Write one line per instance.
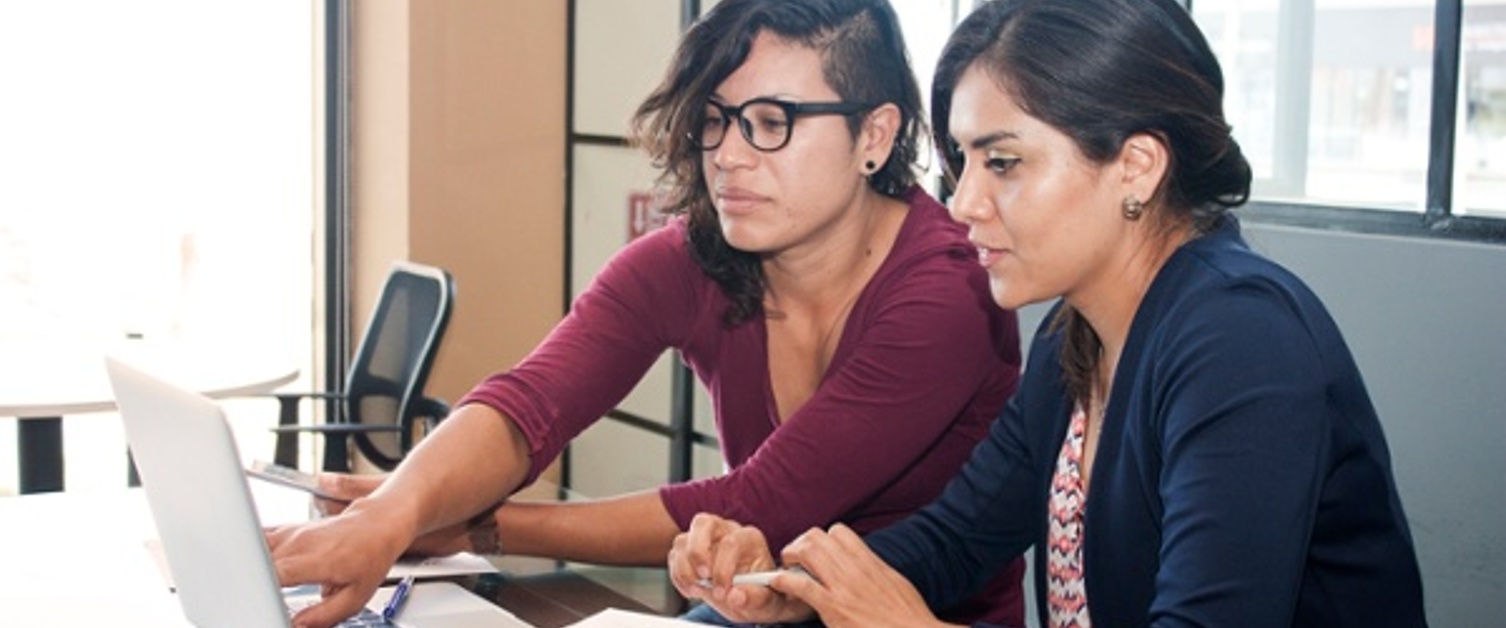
(876, 138)
(1143, 161)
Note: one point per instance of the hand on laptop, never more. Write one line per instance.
(347, 555)
(349, 487)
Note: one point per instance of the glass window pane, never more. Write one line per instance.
(158, 168)
(1480, 167)
(926, 25)
(157, 180)
(1330, 98)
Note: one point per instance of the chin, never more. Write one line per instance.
(741, 240)
(1000, 291)
(1009, 296)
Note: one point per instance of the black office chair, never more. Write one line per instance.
(383, 406)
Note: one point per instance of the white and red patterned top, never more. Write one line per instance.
(1066, 596)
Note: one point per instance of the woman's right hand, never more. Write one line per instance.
(348, 555)
(349, 487)
(704, 559)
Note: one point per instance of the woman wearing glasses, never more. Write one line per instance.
(836, 315)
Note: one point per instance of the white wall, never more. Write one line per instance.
(1426, 320)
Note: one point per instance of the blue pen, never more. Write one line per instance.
(399, 596)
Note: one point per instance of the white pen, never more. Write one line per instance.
(759, 578)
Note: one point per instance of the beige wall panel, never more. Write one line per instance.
(605, 177)
(622, 49)
(487, 175)
(379, 148)
(611, 458)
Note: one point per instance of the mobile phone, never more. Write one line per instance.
(289, 477)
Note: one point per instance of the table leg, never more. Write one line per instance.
(40, 448)
(133, 478)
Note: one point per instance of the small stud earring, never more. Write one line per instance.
(869, 167)
(1133, 208)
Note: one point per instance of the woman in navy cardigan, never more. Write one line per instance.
(1192, 444)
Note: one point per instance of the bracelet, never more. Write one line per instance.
(482, 531)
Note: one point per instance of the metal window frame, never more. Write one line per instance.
(1437, 220)
(336, 201)
(680, 426)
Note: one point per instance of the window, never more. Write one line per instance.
(1481, 163)
(156, 179)
(1351, 104)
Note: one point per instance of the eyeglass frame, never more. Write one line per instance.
(792, 110)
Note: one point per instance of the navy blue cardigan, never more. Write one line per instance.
(1241, 477)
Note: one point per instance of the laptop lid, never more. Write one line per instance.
(207, 523)
(190, 470)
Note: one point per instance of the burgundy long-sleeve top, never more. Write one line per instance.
(925, 361)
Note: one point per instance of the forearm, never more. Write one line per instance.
(473, 460)
(633, 529)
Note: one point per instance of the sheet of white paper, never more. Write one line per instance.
(453, 565)
(618, 618)
(436, 567)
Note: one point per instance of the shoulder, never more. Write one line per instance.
(666, 243)
(1220, 267)
(656, 276)
(930, 246)
(654, 257)
(1216, 300)
(929, 229)
(931, 290)
(934, 271)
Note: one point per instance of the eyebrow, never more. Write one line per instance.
(992, 138)
(774, 96)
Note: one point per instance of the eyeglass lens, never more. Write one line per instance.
(766, 125)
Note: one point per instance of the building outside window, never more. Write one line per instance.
(1332, 100)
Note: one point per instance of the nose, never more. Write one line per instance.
(969, 201)
(735, 150)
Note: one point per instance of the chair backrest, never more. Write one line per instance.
(385, 384)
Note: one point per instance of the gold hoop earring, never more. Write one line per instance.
(1133, 208)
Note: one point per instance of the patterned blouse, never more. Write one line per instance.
(1066, 597)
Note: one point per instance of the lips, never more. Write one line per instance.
(987, 256)
(737, 200)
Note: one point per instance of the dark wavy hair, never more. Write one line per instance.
(1101, 71)
(863, 59)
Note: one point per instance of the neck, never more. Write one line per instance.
(1110, 302)
(835, 266)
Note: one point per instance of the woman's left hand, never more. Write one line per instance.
(852, 586)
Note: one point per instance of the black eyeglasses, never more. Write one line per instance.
(765, 122)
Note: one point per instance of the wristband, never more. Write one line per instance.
(482, 530)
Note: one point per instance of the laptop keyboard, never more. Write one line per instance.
(367, 618)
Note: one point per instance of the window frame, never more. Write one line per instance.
(1437, 220)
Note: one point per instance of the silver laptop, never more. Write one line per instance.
(207, 522)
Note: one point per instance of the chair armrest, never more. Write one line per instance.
(431, 407)
(338, 429)
(286, 450)
(430, 411)
(335, 435)
(303, 395)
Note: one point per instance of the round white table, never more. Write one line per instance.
(43, 379)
